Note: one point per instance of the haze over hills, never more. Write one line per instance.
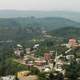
(48, 23)
(24, 25)
(17, 13)
(28, 28)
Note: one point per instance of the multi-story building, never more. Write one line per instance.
(72, 42)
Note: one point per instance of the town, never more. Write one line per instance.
(39, 39)
(50, 62)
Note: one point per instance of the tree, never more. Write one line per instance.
(73, 71)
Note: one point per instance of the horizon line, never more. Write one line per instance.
(39, 10)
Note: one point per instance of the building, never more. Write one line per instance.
(72, 42)
(9, 77)
(28, 51)
(19, 52)
(40, 62)
(30, 63)
(26, 75)
(47, 56)
(78, 60)
(70, 57)
(30, 77)
(59, 65)
(23, 74)
(47, 70)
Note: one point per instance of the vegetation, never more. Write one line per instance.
(25, 31)
(73, 71)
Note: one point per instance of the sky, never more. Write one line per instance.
(45, 5)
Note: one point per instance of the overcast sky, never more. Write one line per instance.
(66, 5)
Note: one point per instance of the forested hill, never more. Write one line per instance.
(48, 23)
(67, 32)
(28, 28)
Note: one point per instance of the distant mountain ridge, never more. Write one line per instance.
(48, 23)
(21, 29)
(17, 13)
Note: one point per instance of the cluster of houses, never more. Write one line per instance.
(50, 61)
(72, 44)
(22, 75)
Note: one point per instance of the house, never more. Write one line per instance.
(47, 56)
(72, 42)
(23, 74)
(47, 70)
(30, 77)
(19, 52)
(28, 50)
(59, 65)
(26, 75)
(30, 63)
(9, 77)
(40, 62)
(69, 57)
(78, 60)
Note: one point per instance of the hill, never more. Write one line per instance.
(48, 22)
(17, 13)
(31, 27)
(67, 32)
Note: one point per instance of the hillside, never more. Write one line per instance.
(48, 23)
(67, 32)
(28, 28)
